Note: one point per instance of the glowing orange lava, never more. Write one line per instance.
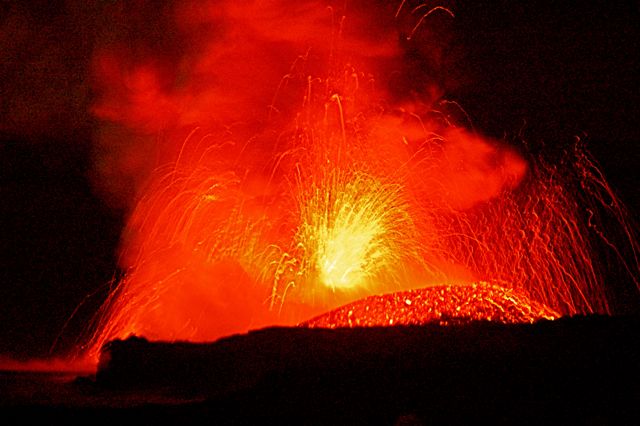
(443, 305)
(270, 200)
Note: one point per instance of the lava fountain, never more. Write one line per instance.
(337, 192)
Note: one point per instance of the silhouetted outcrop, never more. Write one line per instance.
(571, 370)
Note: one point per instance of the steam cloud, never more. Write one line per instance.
(238, 69)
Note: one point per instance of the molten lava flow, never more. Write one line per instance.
(337, 190)
(443, 305)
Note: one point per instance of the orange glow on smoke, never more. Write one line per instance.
(271, 189)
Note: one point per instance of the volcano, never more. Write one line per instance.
(326, 212)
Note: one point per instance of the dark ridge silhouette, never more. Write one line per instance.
(572, 370)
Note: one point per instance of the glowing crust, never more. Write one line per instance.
(449, 304)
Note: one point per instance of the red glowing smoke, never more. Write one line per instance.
(242, 67)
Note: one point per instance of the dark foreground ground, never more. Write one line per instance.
(572, 371)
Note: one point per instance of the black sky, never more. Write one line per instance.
(564, 69)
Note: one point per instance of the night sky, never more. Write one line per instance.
(551, 70)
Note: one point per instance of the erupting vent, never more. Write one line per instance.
(278, 184)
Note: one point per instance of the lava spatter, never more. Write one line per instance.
(442, 305)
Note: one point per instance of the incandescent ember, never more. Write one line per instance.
(443, 305)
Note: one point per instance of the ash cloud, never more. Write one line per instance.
(165, 68)
(139, 76)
